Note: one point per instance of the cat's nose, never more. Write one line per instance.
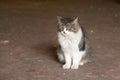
(64, 32)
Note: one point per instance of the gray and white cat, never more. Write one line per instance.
(73, 43)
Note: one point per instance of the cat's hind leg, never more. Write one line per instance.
(85, 60)
(60, 55)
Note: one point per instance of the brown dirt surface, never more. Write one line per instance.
(28, 39)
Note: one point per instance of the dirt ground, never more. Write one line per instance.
(28, 39)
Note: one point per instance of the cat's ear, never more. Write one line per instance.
(75, 20)
(59, 18)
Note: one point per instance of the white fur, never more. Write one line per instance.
(60, 57)
(69, 42)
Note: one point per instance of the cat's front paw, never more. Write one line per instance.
(66, 66)
(74, 66)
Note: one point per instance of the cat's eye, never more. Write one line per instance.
(68, 27)
(60, 28)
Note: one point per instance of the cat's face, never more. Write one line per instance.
(67, 26)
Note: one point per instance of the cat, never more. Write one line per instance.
(73, 43)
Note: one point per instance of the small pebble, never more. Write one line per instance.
(116, 15)
(91, 31)
(4, 41)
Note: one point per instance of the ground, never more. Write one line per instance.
(28, 39)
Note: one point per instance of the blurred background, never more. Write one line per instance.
(28, 39)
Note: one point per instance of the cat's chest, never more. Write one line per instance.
(69, 41)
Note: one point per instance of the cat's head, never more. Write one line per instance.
(68, 25)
